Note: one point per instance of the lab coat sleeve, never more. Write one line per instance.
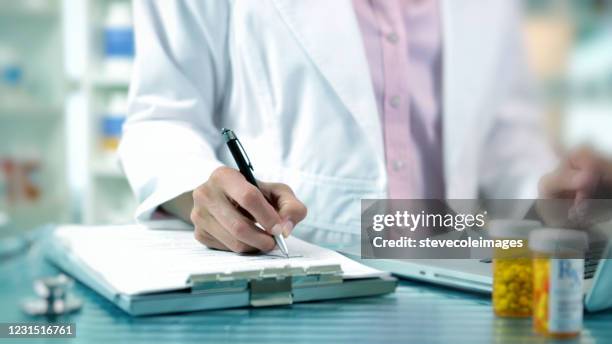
(517, 150)
(169, 140)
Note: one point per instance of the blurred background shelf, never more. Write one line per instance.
(33, 187)
(107, 169)
(102, 54)
(105, 81)
(30, 112)
(29, 9)
(102, 82)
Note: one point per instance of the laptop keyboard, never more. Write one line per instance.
(590, 266)
(591, 259)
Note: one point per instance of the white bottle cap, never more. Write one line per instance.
(558, 240)
(518, 229)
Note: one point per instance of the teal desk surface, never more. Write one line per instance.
(415, 313)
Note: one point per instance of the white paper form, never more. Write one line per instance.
(135, 260)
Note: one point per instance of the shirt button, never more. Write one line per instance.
(397, 165)
(395, 102)
(392, 38)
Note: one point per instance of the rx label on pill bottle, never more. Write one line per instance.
(565, 306)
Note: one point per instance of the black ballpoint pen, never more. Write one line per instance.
(246, 168)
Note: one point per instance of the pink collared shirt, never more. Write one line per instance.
(403, 45)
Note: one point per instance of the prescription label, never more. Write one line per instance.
(565, 303)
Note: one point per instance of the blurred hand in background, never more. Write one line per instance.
(582, 186)
(583, 174)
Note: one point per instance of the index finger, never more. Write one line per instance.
(288, 205)
(558, 184)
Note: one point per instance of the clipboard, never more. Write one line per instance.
(208, 291)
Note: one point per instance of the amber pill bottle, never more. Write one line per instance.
(512, 268)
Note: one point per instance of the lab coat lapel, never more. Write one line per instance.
(465, 92)
(329, 33)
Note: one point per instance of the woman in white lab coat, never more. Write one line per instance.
(291, 79)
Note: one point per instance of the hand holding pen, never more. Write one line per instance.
(228, 207)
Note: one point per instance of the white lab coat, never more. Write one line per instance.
(292, 80)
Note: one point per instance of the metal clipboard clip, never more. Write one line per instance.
(267, 287)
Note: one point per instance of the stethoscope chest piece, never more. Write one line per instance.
(54, 297)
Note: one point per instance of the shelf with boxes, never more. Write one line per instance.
(102, 86)
(33, 188)
(29, 111)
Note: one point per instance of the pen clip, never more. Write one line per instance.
(248, 160)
